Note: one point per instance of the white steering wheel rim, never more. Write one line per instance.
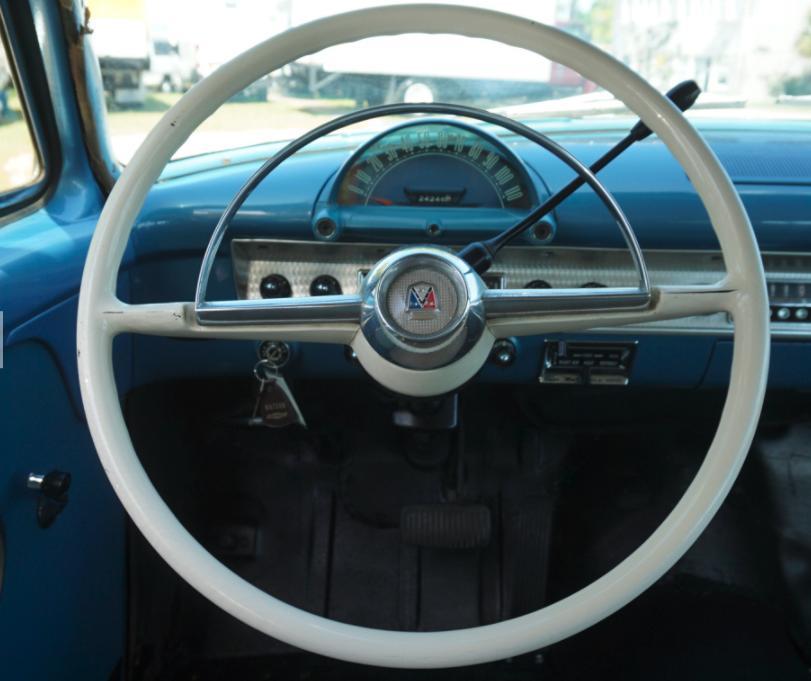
(418, 649)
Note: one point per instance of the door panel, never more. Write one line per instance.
(62, 599)
(62, 596)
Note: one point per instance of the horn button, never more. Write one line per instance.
(422, 308)
(421, 303)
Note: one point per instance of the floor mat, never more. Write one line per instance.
(313, 518)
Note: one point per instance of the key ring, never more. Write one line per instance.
(264, 371)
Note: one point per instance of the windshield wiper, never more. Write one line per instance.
(480, 254)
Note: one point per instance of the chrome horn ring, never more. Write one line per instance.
(384, 347)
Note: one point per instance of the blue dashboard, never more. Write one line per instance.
(770, 166)
(769, 163)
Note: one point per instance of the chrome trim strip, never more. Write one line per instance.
(513, 302)
(671, 328)
(323, 309)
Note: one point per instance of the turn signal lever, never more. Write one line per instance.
(480, 254)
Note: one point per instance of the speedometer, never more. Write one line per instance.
(440, 164)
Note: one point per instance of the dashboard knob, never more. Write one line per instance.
(538, 283)
(325, 285)
(503, 353)
(274, 286)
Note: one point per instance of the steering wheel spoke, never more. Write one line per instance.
(529, 312)
(326, 319)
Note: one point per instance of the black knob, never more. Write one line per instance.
(55, 484)
(350, 355)
(274, 286)
(542, 230)
(593, 284)
(326, 228)
(325, 285)
(503, 353)
(538, 283)
(53, 495)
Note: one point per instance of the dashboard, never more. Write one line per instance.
(320, 221)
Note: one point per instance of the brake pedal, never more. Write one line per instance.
(446, 526)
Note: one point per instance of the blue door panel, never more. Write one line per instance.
(62, 598)
(56, 329)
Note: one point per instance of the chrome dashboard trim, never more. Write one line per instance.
(324, 309)
(565, 267)
(510, 302)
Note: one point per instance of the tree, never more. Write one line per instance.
(804, 41)
(801, 84)
(600, 22)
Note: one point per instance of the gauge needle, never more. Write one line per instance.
(381, 201)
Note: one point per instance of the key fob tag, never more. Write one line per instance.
(276, 407)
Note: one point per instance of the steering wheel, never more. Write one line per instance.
(430, 355)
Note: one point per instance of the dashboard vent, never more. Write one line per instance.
(774, 164)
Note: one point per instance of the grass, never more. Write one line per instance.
(282, 111)
(234, 124)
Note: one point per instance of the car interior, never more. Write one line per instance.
(430, 372)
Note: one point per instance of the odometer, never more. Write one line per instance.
(435, 164)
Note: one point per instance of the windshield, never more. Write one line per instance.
(752, 59)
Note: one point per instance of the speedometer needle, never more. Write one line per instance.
(480, 254)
